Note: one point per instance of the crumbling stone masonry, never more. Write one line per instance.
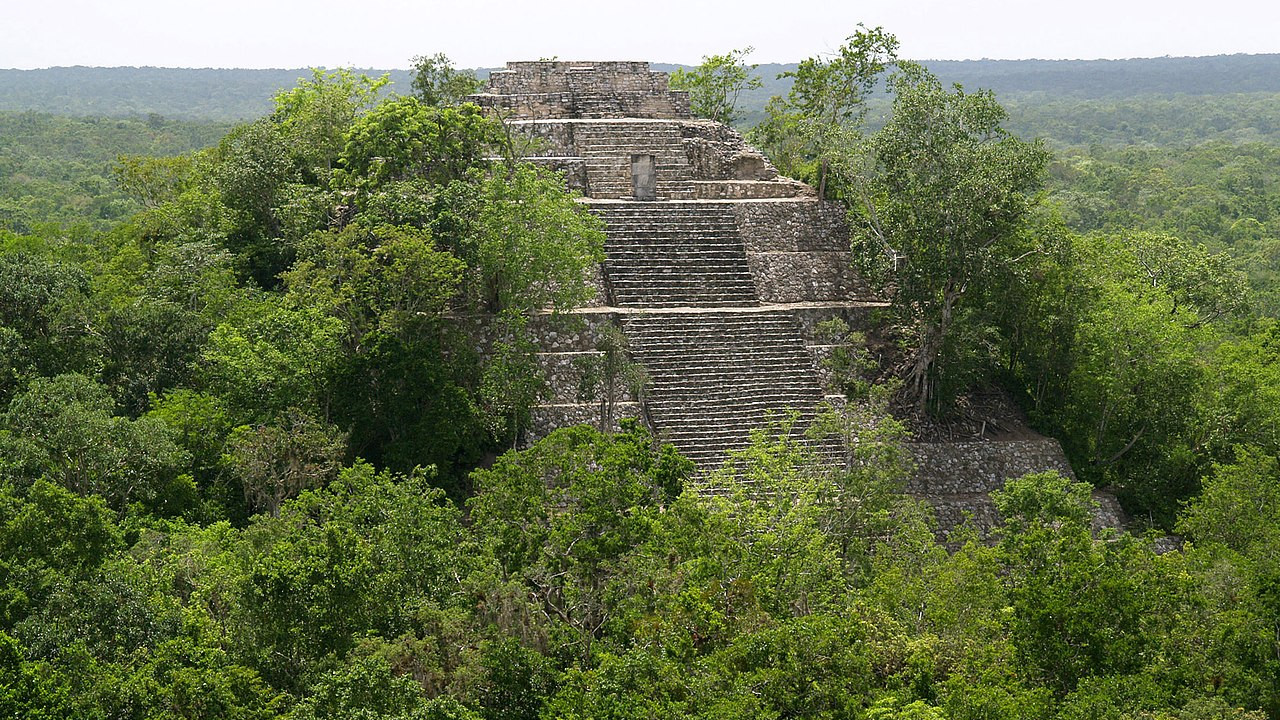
(717, 270)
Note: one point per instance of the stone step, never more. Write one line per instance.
(672, 230)
(668, 323)
(710, 392)
(669, 263)
(751, 382)
(702, 359)
(717, 376)
(738, 333)
(694, 276)
(683, 239)
(763, 375)
(689, 283)
(667, 217)
(689, 276)
(639, 209)
(661, 249)
(684, 245)
(701, 407)
(725, 435)
(732, 421)
(663, 149)
(691, 321)
(689, 242)
(661, 303)
(688, 232)
(712, 346)
(682, 297)
(763, 372)
(675, 298)
(745, 412)
(757, 378)
(718, 342)
(645, 258)
(675, 286)
(651, 145)
(739, 434)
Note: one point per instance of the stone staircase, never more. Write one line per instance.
(720, 365)
(718, 374)
(607, 147)
(675, 254)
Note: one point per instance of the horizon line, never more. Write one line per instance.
(651, 62)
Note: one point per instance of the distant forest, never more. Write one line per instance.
(209, 94)
(1146, 100)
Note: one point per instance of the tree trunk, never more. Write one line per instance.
(919, 380)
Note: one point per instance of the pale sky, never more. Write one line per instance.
(486, 33)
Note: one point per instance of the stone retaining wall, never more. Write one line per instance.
(746, 189)
(547, 139)
(550, 416)
(792, 226)
(958, 477)
(570, 333)
(564, 372)
(981, 466)
(552, 76)
(788, 277)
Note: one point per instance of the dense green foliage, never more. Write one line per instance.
(254, 398)
(346, 277)
(587, 584)
(1222, 196)
(1130, 308)
(944, 202)
(437, 82)
(60, 170)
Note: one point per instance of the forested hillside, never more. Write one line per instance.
(260, 387)
(207, 94)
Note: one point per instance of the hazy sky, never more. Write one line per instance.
(485, 33)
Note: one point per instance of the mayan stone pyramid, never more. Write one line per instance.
(718, 272)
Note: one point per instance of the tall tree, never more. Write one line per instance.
(437, 82)
(827, 102)
(714, 85)
(405, 138)
(945, 206)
